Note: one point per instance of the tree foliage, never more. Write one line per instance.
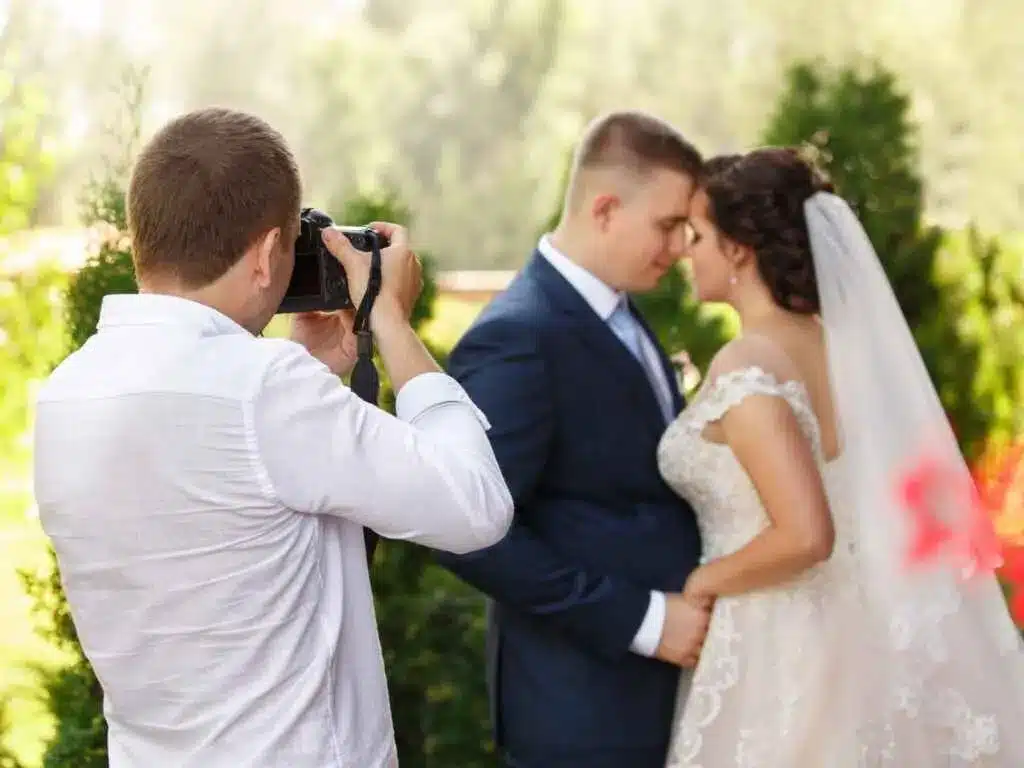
(26, 152)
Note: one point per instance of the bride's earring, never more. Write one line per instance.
(733, 279)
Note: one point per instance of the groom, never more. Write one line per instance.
(588, 629)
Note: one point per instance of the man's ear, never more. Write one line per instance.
(261, 255)
(602, 207)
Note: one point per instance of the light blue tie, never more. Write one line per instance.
(630, 333)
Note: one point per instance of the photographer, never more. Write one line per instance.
(206, 490)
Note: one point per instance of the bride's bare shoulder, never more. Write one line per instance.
(753, 352)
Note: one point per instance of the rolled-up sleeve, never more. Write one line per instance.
(428, 475)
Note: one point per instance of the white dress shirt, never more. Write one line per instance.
(604, 300)
(206, 492)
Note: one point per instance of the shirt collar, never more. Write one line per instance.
(603, 299)
(138, 309)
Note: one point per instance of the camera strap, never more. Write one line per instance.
(365, 379)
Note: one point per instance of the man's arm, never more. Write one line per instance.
(427, 476)
(500, 367)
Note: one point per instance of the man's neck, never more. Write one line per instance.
(576, 249)
(209, 296)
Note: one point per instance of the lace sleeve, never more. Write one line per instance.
(731, 388)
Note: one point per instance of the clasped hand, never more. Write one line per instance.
(687, 618)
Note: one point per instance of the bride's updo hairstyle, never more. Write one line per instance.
(757, 200)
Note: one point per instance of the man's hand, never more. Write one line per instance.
(328, 337)
(401, 273)
(686, 625)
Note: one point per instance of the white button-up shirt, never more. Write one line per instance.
(206, 492)
(603, 299)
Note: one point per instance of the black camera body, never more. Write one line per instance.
(318, 281)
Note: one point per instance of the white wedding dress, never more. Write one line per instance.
(814, 674)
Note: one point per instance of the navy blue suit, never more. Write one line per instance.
(575, 426)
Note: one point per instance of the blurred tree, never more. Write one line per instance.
(26, 152)
(563, 184)
(990, 83)
(31, 339)
(983, 279)
(858, 123)
(25, 158)
(462, 84)
(711, 66)
(7, 758)
(27, 290)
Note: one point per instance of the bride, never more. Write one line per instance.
(825, 650)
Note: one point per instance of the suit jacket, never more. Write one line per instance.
(575, 428)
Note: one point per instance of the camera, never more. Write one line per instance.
(318, 281)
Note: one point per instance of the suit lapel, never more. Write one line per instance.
(617, 361)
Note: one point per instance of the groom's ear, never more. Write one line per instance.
(602, 207)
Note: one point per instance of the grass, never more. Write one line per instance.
(23, 546)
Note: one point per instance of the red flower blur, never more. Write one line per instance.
(999, 476)
(948, 518)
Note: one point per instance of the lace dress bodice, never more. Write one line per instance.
(708, 475)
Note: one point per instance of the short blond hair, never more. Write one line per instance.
(638, 142)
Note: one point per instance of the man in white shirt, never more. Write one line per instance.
(206, 489)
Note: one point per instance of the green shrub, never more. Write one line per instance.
(31, 338)
(7, 758)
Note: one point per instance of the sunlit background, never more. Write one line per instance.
(458, 116)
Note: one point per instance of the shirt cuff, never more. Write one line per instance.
(648, 637)
(430, 390)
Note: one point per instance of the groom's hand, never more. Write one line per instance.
(682, 636)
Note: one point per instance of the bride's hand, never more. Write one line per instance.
(697, 591)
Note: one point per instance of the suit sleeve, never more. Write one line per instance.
(501, 368)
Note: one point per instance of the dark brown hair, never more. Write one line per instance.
(637, 141)
(203, 189)
(757, 200)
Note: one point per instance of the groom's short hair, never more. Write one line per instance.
(637, 142)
